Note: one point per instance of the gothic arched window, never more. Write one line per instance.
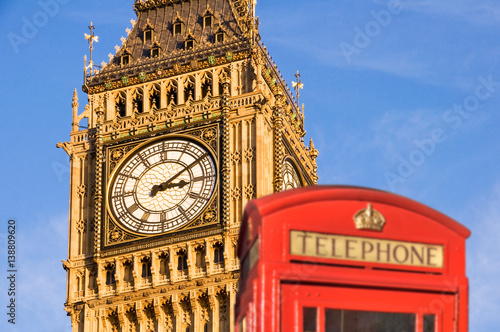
(219, 253)
(182, 262)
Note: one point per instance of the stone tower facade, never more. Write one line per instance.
(188, 121)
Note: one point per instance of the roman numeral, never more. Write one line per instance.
(201, 178)
(144, 161)
(132, 208)
(197, 196)
(163, 217)
(183, 212)
(125, 194)
(145, 217)
(129, 176)
(184, 148)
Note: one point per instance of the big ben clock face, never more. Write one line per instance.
(290, 177)
(162, 186)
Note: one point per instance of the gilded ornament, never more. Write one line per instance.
(194, 64)
(115, 235)
(229, 56)
(107, 84)
(369, 218)
(209, 134)
(117, 154)
(125, 80)
(209, 216)
(142, 76)
(211, 60)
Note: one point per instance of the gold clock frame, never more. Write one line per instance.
(114, 233)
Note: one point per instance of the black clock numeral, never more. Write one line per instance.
(145, 217)
(201, 178)
(197, 196)
(144, 160)
(163, 217)
(132, 208)
(183, 212)
(184, 148)
(125, 194)
(130, 176)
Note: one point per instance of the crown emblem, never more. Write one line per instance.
(369, 219)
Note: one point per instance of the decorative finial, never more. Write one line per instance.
(91, 38)
(75, 99)
(298, 85)
(132, 21)
(312, 151)
(128, 31)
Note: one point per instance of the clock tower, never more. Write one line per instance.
(187, 122)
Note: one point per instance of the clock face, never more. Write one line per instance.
(162, 186)
(290, 177)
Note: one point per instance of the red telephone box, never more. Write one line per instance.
(349, 259)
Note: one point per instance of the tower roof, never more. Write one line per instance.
(172, 23)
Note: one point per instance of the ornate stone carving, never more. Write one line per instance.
(235, 193)
(81, 226)
(235, 157)
(249, 154)
(82, 190)
(249, 191)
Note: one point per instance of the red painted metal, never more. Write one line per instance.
(275, 285)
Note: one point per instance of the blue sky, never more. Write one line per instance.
(376, 95)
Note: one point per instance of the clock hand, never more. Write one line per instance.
(165, 185)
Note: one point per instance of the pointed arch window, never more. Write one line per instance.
(154, 97)
(189, 88)
(172, 93)
(126, 57)
(182, 260)
(148, 31)
(177, 25)
(146, 268)
(219, 253)
(155, 49)
(190, 42)
(110, 275)
(206, 85)
(138, 101)
(220, 35)
(127, 271)
(208, 18)
(121, 104)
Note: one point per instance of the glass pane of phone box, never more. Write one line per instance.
(368, 321)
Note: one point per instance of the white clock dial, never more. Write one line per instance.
(290, 177)
(162, 186)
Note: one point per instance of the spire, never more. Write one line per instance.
(91, 39)
(298, 85)
(75, 105)
(314, 154)
(75, 99)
